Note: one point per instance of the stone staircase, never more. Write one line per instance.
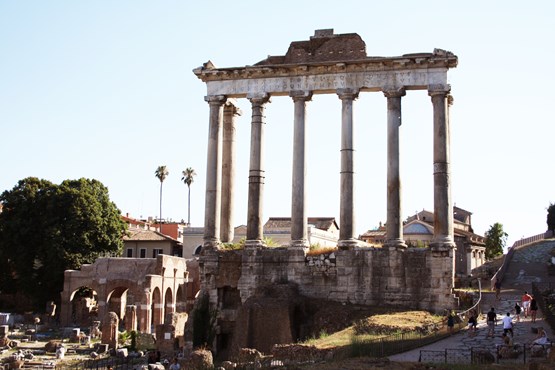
(528, 265)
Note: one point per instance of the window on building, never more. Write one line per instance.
(143, 253)
(156, 252)
(129, 252)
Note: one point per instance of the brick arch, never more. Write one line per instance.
(169, 304)
(139, 282)
(181, 298)
(157, 307)
(78, 315)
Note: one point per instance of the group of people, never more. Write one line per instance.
(529, 307)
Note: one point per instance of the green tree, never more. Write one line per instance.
(496, 239)
(46, 229)
(188, 178)
(551, 217)
(161, 173)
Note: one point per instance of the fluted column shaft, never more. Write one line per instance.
(443, 206)
(347, 202)
(394, 225)
(255, 235)
(299, 218)
(213, 172)
(228, 171)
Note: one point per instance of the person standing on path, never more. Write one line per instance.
(508, 324)
(491, 320)
(533, 309)
(526, 298)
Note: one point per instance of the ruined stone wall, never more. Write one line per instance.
(415, 278)
(248, 289)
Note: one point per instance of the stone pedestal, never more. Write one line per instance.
(110, 330)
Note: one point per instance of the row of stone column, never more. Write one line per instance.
(220, 177)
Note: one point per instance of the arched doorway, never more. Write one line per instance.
(156, 308)
(84, 306)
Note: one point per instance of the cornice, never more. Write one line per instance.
(418, 61)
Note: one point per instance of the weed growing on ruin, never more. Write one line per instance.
(316, 251)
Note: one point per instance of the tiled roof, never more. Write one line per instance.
(146, 235)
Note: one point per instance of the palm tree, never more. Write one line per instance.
(161, 173)
(187, 178)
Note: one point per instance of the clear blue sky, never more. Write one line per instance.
(105, 90)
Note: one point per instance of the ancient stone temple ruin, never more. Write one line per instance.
(328, 63)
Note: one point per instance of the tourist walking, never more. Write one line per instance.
(491, 321)
(508, 324)
(518, 311)
(450, 322)
(526, 298)
(472, 324)
(533, 309)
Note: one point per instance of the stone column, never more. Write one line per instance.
(213, 173)
(145, 312)
(228, 171)
(130, 318)
(394, 225)
(443, 206)
(299, 219)
(347, 202)
(255, 237)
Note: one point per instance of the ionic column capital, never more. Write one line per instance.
(439, 89)
(231, 107)
(394, 92)
(450, 99)
(300, 95)
(258, 99)
(215, 99)
(347, 94)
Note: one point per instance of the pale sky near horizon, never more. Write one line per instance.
(105, 90)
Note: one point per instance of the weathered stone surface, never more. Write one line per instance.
(201, 359)
(110, 330)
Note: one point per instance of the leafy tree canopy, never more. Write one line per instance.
(551, 217)
(46, 229)
(496, 239)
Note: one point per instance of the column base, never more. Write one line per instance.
(211, 244)
(299, 244)
(443, 244)
(255, 243)
(395, 243)
(347, 244)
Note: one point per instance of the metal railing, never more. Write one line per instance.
(517, 354)
(115, 363)
(402, 342)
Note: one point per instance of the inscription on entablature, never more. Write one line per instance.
(324, 83)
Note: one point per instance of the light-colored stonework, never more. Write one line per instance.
(326, 64)
(394, 275)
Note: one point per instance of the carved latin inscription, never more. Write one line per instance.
(326, 83)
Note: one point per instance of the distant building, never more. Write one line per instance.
(144, 241)
(149, 244)
(323, 231)
(418, 230)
